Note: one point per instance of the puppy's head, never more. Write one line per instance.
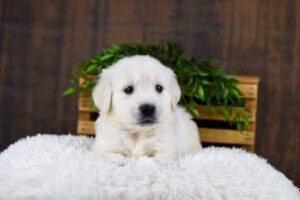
(137, 91)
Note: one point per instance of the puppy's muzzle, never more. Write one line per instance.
(147, 110)
(147, 114)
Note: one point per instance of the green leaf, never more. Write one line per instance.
(194, 88)
(69, 90)
(239, 126)
(195, 112)
(225, 92)
(94, 60)
(236, 93)
(73, 82)
(190, 81)
(205, 82)
(115, 47)
(225, 113)
(202, 73)
(246, 121)
(201, 93)
(93, 107)
(106, 57)
(91, 68)
(223, 86)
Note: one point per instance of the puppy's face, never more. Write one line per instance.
(137, 91)
(141, 103)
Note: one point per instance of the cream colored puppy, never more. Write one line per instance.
(137, 98)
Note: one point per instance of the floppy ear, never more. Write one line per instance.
(102, 94)
(175, 92)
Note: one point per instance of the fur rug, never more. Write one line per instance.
(62, 167)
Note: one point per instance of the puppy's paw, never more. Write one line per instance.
(119, 160)
(115, 158)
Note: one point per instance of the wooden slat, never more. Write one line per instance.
(251, 103)
(249, 148)
(84, 104)
(224, 136)
(84, 116)
(249, 91)
(208, 114)
(251, 127)
(86, 95)
(86, 127)
(247, 79)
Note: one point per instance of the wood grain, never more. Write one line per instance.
(41, 41)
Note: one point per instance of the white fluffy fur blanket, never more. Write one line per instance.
(62, 167)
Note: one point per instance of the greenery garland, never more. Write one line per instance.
(201, 81)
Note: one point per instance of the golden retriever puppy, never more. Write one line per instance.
(137, 98)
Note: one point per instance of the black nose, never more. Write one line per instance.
(147, 110)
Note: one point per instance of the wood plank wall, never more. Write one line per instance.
(41, 41)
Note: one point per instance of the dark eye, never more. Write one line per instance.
(129, 89)
(159, 88)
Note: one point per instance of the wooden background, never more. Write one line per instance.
(42, 41)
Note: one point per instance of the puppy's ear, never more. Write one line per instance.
(102, 94)
(175, 92)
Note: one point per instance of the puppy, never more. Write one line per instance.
(137, 98)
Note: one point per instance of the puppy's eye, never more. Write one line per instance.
(159, 88)
(129, 89)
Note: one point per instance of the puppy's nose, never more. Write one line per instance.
(147, 110)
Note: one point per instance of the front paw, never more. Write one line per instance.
(115, 158)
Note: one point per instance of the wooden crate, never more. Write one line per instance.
(209, 133)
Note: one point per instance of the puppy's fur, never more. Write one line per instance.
(137, 98)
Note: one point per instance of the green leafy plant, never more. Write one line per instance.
(201, 81)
